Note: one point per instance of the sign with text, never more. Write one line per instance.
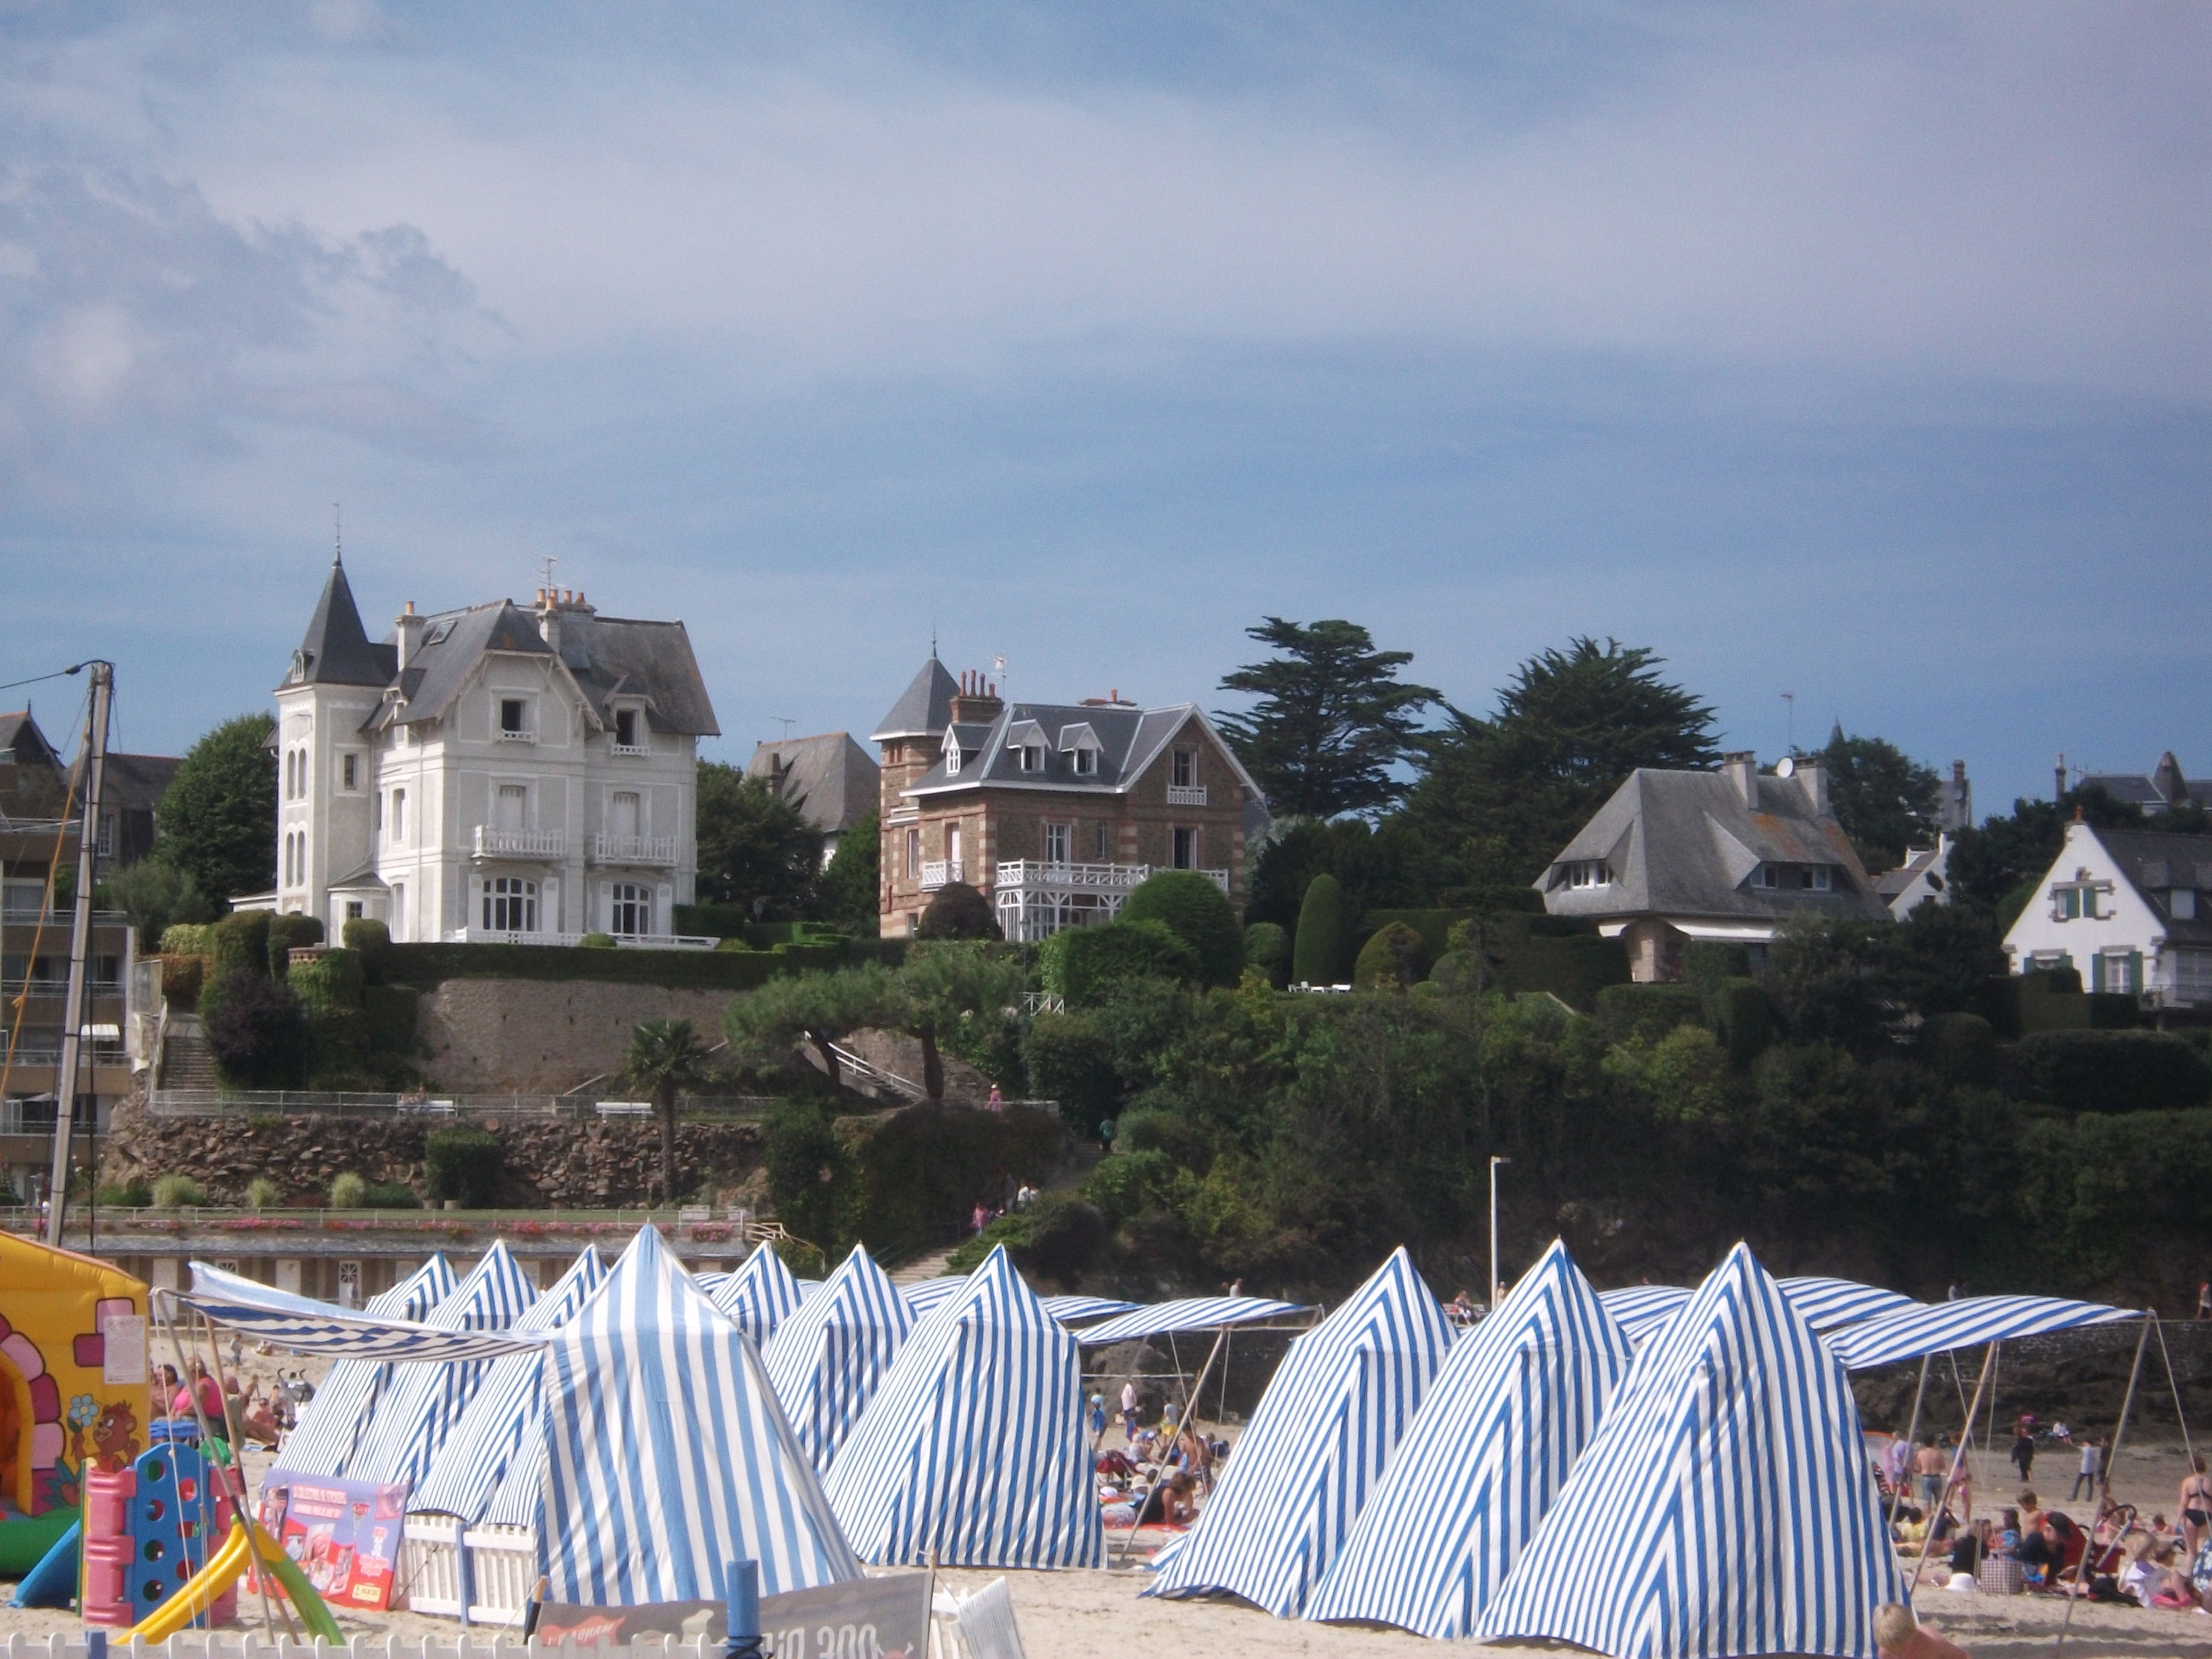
(345, 1534)
(883, 1618)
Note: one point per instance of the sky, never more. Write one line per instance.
(1863, 353)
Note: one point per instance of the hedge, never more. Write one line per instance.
(1196, 912)
(427, 964)
(2055, 1001)
(1434, 926)
(1961, 1047)
(728, 922)
(1320, 949)
(1080, 962)
(2113, 1072)
(464, 1164)
(1523, 954)
(1647, 1012)
(389, 1012)
(1392, 959)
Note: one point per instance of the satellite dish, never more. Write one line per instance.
(1785, 768)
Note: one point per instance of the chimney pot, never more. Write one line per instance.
(1741, 768)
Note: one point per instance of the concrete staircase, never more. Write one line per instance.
(924, 1267)
(187, 1062)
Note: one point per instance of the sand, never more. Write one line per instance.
(1100, 1615)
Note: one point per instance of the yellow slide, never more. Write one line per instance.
(198, 1592)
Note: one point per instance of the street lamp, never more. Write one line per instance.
(1495, 1285)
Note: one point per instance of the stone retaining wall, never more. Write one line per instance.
(543, 1037)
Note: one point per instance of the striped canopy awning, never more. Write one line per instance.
(828, 1356)
(760, 1296)
(1490, 1449)
(465, 1472)
(1640, 1309)
(973, 1452)
(1940, 1327)
(306, 1326)
(665, 1457)
(923, 1299)
(1726, 1505)
(334, 1418)
(1831, 1305)
(1073, 1311)
(421, 1405)
(1202, 1313)
(1316, 1446)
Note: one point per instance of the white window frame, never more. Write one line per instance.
(636, 898)
(1817, 880)
(505, 899)
(642, 743)
(1766, 877)
(350, 769)
(1030, 758)
(527, 732)
(1183, 768)
(1060, 843)
(1085, 761)
(397, 817)
(1176, 833)
(1589, 873)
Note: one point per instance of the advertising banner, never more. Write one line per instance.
(345, 1534)
(883, 1618)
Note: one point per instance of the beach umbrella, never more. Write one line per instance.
(330, 1426)
(1498, 1432)
(421, 1404)
(1726, 1505)
(465, 1472)
(973, 1450)
(664, 1455)
(828, 1356)
(760, 1296)
(1315, 1448)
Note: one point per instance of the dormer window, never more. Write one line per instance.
(1767, 877)
(951, 756)
(2181, 903)
(630, 735)
(1085, 762)
(1588, 872)
(1030, 756)
(514, 720)
(1815, 878)
(1080, 744)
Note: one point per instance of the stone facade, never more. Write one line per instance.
(544, 1036)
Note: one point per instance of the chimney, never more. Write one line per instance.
(1813, 779)
(410, 628)
(548, 617)
(2059, 793)
(1958, 801)
(977, 701)
(1741, 768)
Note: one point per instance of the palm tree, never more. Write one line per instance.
(666, 1060)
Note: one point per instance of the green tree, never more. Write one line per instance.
(817, 1009)
(1502, 795)
(218, 818)
(755, 849)
(846, 896)
(1196, 912)
(666, 1060)
(154, 893)
(1319, 947)
(1332, 720)
(1992, 862)
(957, 912)
(940, 985)
(1885, 799)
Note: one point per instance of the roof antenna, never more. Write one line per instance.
(999, 667)
(785, 722)
(932, 639)
(1790, 697)
(545, 576)
(337, 535)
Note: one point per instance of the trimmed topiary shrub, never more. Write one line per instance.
(1268, 950)
(1196, 912)
(1742, 1016)
(1095, 959)
(1647, 1012)
(1392, 960)
(1961, 1047)
(239, 945)
(390, 1195)
(1318, 951)
(464, 1164)
(958, 911)
(187, 939)
(181, 979)
(601, 942)
(365, 933)
(2113, 1072)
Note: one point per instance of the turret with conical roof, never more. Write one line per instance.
(336, 650)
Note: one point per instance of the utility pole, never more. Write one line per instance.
(73, 1004)
(1496, 1284)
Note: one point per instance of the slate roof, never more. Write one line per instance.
(1685, 844)
(831, 778)
(1129, 739)
(1890, 883)
(336, 649)
(136, 783)
(924, 708)
(2164, 786)
(34, 784)
(2157, 864)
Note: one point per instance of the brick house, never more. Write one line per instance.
(1054, 812)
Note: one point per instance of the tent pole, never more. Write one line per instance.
(1912, 1439)
(1138, 1510)
(1958, 1458)
(2105, 1479)
(2180, 1416)
(245, 1499)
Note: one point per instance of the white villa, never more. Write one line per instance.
(489, 773)
(2130, 911)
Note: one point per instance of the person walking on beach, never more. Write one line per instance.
(2093, 1465)
(1129, 1410)
(1928, 1464)
(1097, 1418)
(2023, 1449)
(2195, 1506)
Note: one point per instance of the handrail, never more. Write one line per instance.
(869, 1072)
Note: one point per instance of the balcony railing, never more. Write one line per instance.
(936, 872)
(492, 843)
(626, 941)
(633, 850)
(1186, 794)
(1016, 874)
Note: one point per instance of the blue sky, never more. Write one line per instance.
(1857, 352)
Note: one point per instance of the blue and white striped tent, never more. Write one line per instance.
(331, 1425)
(930, 1294)
(1073, 1311)
(1198, 1312)
(760, 1296)
(1940, 1327)
(419, 1406)
(974, 1448)
(1726, 1505)
(1831, 1305)
(1316, 1446)
(1640, 1309)
(303, 1325)
(465, 1472)
(1499, 1431)
(829, 1357)
(666, 1455)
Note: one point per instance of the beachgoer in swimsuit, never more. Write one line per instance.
(2195, 1506)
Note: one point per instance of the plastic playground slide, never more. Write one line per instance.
(199, 1591)
(53, 1582)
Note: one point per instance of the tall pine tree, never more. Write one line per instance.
(1332, 720)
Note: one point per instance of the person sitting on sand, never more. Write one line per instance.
(2031, 1513)
(1899, 1635)
(1169, 1504)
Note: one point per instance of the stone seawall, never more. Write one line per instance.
(543, 1037)
(550, 1164)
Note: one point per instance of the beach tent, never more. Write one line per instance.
(760, 1296)
(926, 1298)
(1200, 1312)
(1940, 1327)
(1315, 1448)
(1498, 1430)
(1073, 1311)
(1726, 1505)
(829, 1355)
(666, 1455)
(332, 1425)
(421, 1404)
(973, 1451)
(464, 1473)
(1831, 1305)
